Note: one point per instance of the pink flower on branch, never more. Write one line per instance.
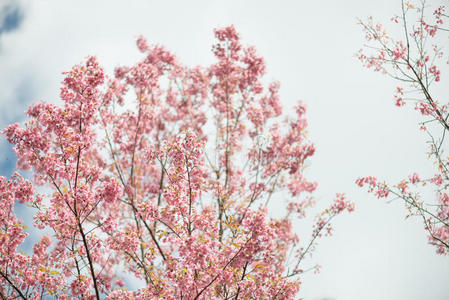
(145, 186)
(415, 60)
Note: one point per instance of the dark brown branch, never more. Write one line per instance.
(13, 285)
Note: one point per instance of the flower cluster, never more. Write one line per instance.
(415, 60)
(161, 170)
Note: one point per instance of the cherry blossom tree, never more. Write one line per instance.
(163, 173)
(416, 61)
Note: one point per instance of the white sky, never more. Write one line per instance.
(309, 47)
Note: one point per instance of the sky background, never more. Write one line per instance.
(309, 47)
